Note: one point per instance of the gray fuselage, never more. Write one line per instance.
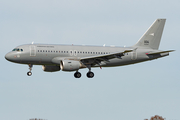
(45, 54)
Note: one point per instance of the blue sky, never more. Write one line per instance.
(130, 92)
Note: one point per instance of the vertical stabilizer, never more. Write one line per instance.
(152, 37)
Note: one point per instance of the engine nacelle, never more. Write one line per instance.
(50, 68)
(70, 65)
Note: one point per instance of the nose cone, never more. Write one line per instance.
(8, 56)
(13, 57)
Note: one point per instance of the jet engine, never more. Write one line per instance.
(70, 65)
(50, 68)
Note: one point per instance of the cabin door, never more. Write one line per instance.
(32, 50)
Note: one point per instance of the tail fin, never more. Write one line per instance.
(152, 37)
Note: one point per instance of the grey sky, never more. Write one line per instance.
(121, 93)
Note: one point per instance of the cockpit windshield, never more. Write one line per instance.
(17, 49)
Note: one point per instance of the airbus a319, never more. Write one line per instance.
(74, 57)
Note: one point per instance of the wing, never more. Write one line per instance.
(92, 60)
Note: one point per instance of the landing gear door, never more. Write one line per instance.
(32, 50)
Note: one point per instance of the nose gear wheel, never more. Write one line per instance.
(29, 73)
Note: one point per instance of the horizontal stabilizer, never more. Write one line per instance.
(152, 53)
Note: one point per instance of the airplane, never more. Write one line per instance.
(69, 58)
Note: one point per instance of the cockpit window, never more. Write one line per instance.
(17, 49)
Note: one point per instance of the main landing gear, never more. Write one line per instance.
(89, 74)
(30, 68)
(77, 74)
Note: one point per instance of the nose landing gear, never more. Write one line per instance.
(29, 73)
(30, 68)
